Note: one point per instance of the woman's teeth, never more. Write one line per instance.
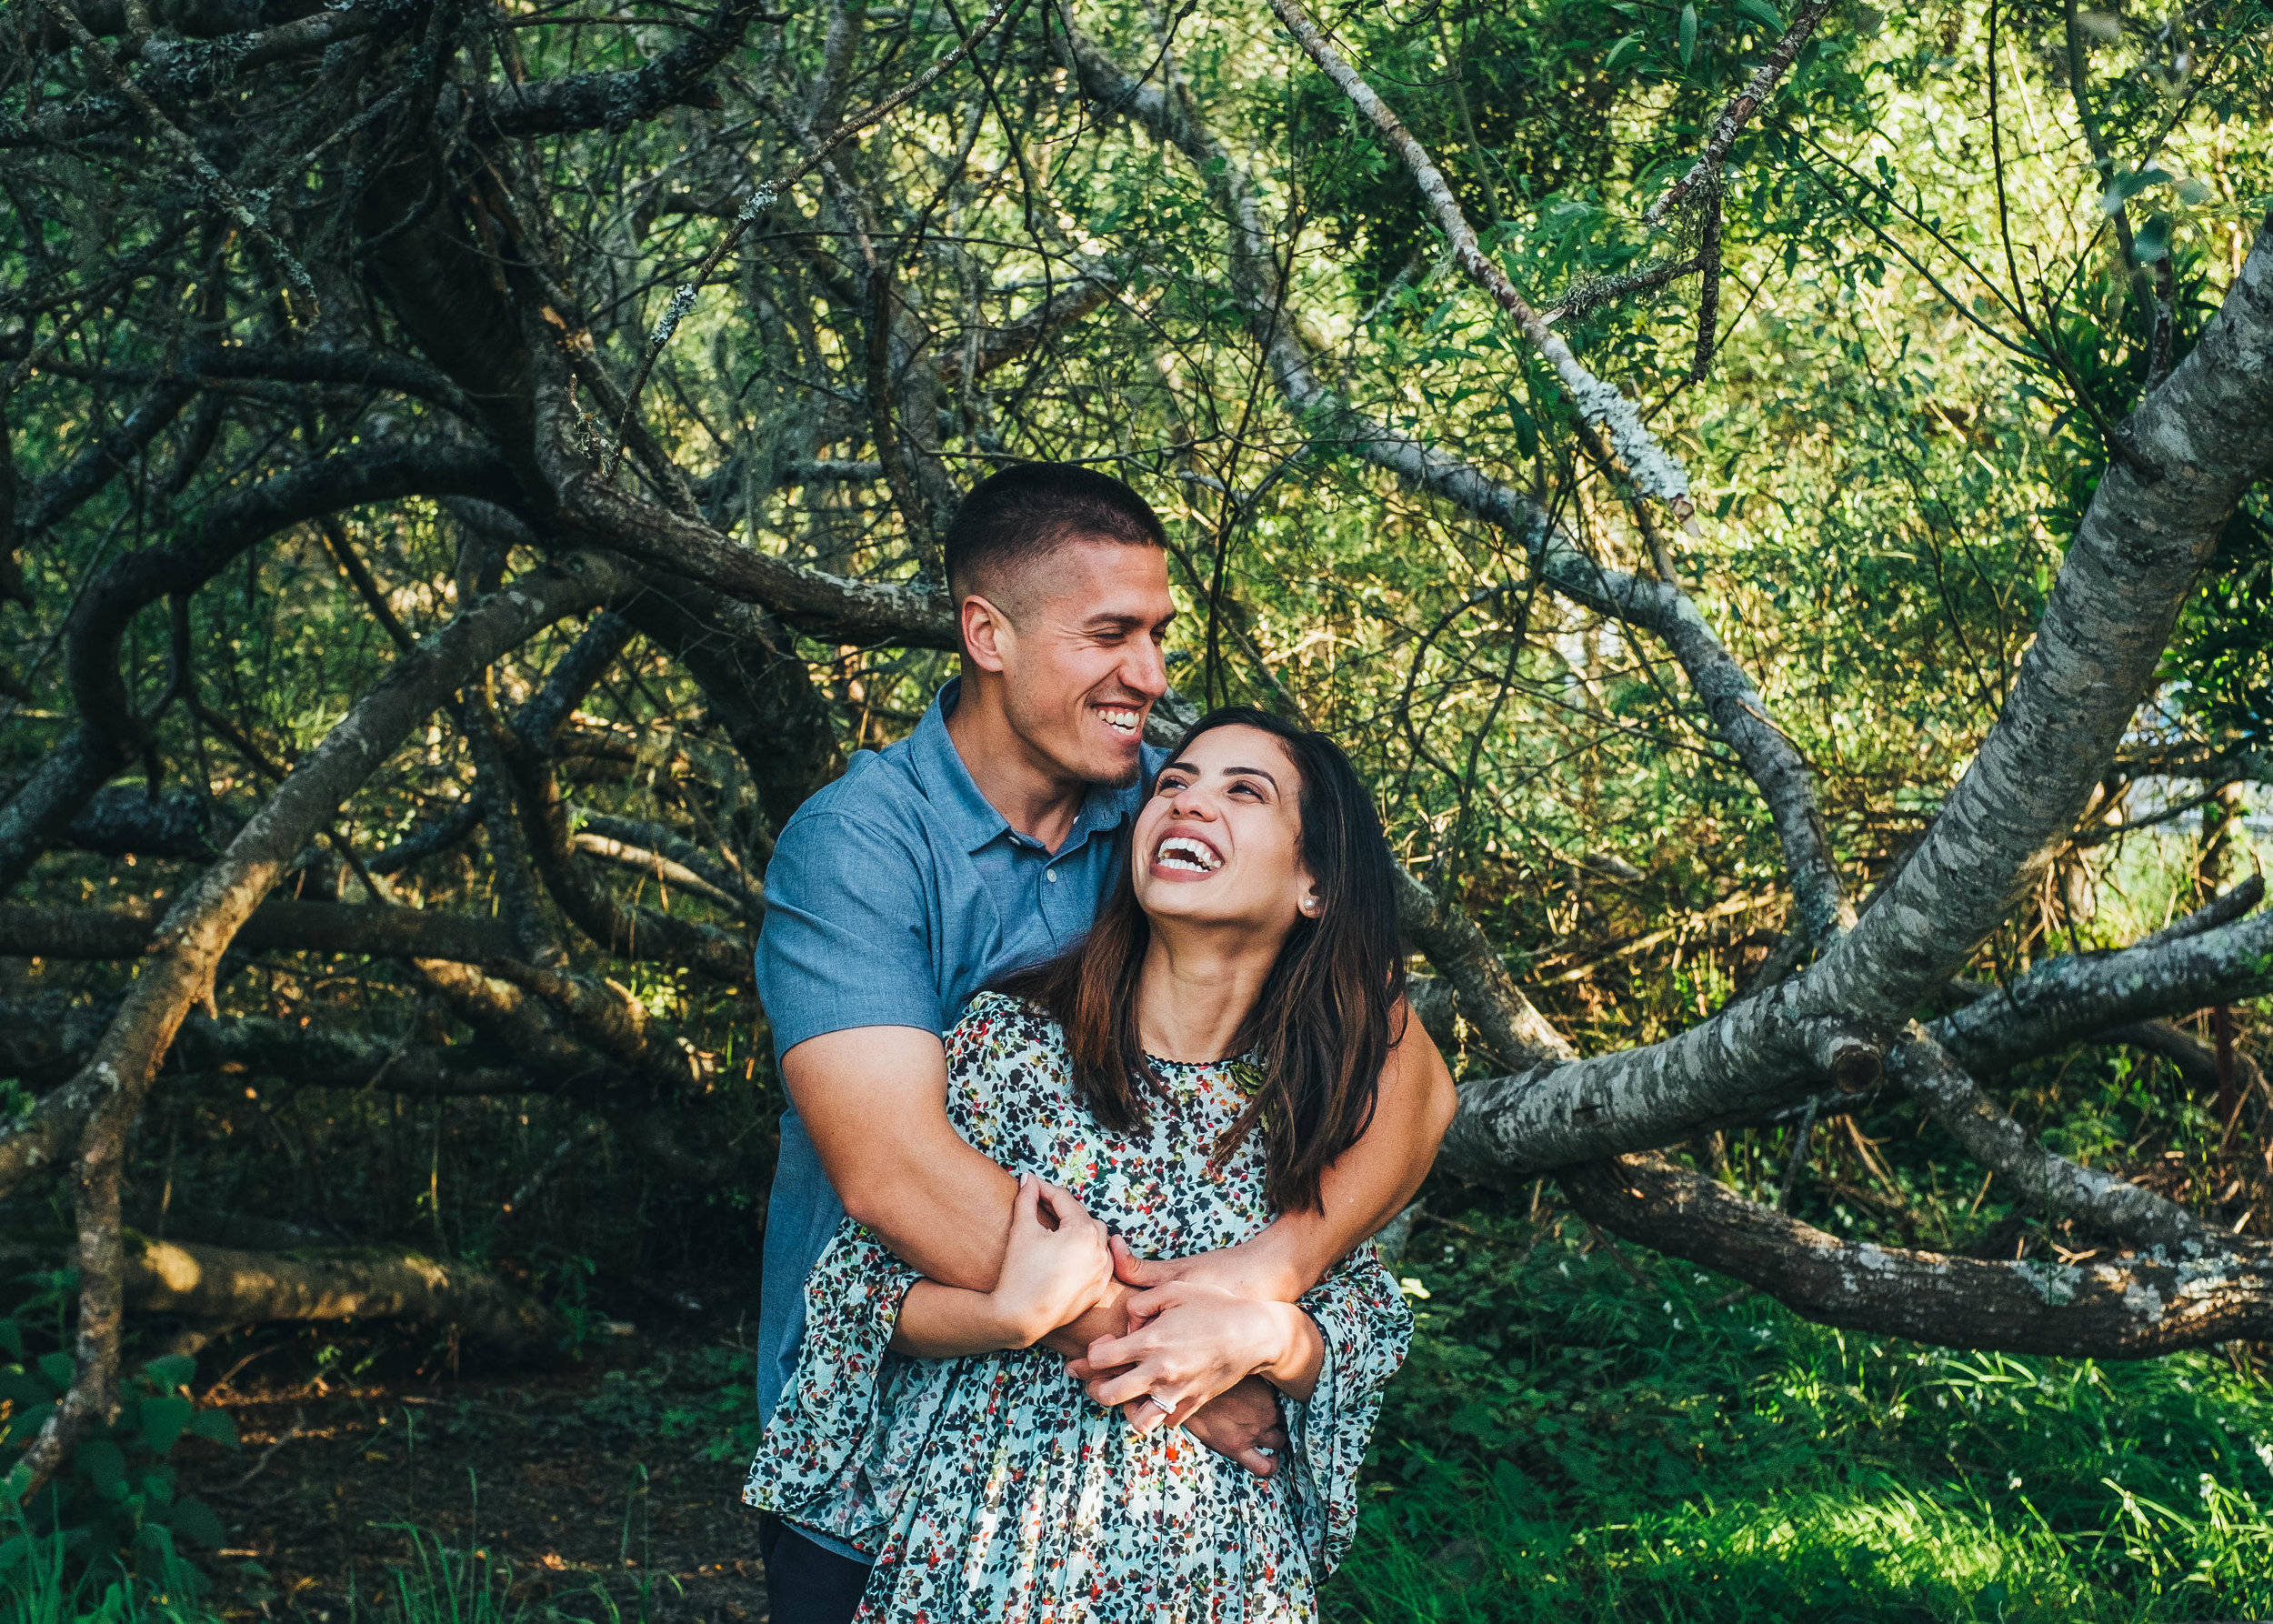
(1187, 855)
(1124, 721)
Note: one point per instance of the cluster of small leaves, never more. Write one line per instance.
(116, 1501)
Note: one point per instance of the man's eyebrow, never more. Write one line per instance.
(1123, 622)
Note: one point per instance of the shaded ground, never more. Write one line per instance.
(587, 1486)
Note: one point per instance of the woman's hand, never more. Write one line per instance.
(1055, 1267)
(1188, 1341)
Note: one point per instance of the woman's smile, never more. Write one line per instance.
(1186, 854)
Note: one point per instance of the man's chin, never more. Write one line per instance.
(1119, 774)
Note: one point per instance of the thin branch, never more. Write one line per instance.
(1755, 95)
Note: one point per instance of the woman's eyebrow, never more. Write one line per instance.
(1229, 772)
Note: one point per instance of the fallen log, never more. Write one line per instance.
(222, 1286)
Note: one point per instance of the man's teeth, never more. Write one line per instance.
(1188, 855)
(1124, 720)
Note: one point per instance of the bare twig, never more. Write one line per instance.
(684, 295)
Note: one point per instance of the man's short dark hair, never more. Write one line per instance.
(1014, 518)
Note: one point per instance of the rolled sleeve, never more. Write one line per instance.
(846, 939)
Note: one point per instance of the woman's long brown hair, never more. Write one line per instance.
(1321, 1024)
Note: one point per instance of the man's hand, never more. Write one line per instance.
(1243, 1424)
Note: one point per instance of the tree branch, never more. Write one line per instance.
(370, 930)
(2133, 1308)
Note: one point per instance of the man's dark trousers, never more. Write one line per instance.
(805, 1583)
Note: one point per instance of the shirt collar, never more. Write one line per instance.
(971, 817)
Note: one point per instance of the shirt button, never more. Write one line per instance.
(1051, 875)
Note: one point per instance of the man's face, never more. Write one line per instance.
(1078, 639)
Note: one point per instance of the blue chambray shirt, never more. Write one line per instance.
(895, 895)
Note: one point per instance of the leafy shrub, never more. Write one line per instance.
(115, 1508)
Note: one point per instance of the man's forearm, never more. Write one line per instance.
(873, 1100)
(1366, 1186)
(945, 1214)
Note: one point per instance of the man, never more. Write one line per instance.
(984, 841)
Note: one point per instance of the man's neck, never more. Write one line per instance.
(1033, 798)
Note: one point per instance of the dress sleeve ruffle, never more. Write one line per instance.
(1366, 1327)
(825, 1461)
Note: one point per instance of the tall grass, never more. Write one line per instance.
(39, 1584)
(1576, 1441)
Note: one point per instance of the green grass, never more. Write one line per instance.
(1571, 1441)
(39, 1583)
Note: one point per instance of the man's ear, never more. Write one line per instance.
(986, 630)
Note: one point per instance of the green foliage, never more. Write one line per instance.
(705, 1395)
(115, 1506)
(2221, 660)
(1571, 1441)
(38, 1586)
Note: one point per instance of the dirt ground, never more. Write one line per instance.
(556, 1482)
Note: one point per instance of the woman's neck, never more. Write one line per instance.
(1197, 989)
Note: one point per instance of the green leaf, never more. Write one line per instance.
(99, 1462)
(2153, 241)
(164, 1419)
(193, 1520)
(215, 1425)
(2193, 193)
(24, 1424)
(57, 1368)
(2123, 187)
(21, 1386)
(1762, 12)
(1688, 32)
(1620, 52)
(172, 1371)
(12, 1339)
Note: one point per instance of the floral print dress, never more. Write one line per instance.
(991, 1487)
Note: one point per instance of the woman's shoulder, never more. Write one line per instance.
(995, 1024)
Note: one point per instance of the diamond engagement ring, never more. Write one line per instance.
(1166, 1410)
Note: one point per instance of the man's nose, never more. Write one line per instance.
(1144, 670)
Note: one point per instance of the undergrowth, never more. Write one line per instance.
(1582, 1437)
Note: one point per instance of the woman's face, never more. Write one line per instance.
(1220, 840)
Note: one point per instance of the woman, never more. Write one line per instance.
(1185, 1074)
